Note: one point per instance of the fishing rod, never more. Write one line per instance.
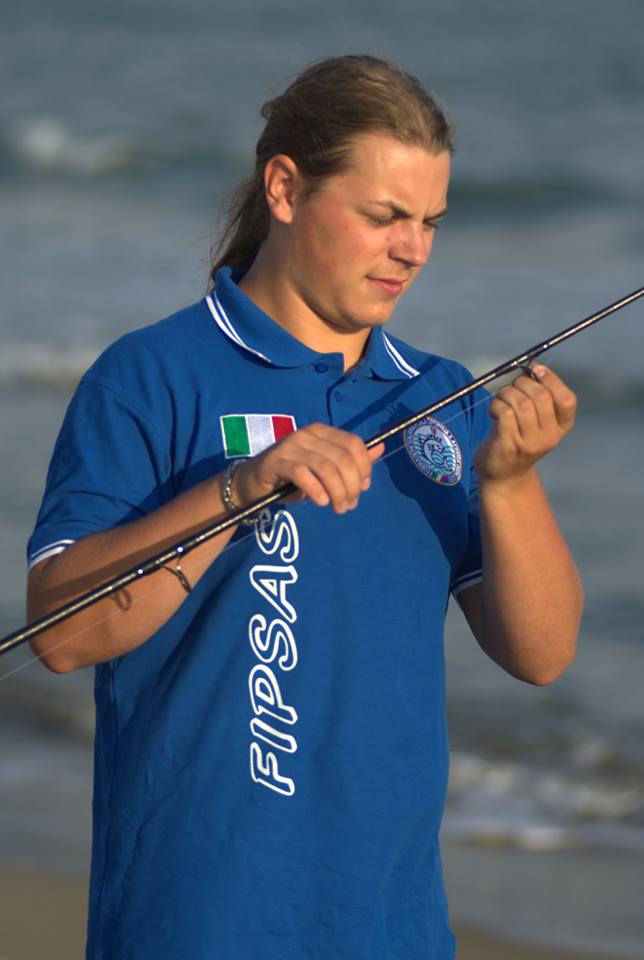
(176, 552)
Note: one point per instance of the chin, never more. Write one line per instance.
(359, 324)
(354, 321)
(378, 321)
(366, 320)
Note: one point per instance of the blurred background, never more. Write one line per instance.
(122, 126)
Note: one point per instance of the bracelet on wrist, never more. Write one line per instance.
(227, 492)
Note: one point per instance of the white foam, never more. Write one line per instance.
(45, 364)
(498, 796)
(46, 143)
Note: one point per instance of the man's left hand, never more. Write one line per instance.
(531, 417)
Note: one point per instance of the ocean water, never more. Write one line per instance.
(125, 125)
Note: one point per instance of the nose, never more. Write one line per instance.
(413, 244)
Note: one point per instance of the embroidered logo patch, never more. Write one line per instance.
(246, 434)
(435, 451)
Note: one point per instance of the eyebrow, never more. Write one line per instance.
(402, 214)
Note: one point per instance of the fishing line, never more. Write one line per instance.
(242, 538)
(154, 563)
(57, 646)
(237, 541)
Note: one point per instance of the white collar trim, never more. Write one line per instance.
(399, 361)
(222, 320)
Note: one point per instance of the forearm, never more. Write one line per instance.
(118, 624)
(532, 593)
(327, 465)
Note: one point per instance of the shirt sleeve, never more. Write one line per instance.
(470, 569)
(110, 465)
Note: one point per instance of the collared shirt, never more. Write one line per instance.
(271, 765)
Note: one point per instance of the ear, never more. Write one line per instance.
(281, 182)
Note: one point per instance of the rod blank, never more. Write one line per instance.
(34, 629)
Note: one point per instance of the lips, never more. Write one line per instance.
(388, 285)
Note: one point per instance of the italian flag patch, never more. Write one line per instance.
(246, 434)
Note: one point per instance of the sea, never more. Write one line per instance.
(123, 127)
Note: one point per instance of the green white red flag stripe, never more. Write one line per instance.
(247, 434)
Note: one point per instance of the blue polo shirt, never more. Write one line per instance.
(271, 765)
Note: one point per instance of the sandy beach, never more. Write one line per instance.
(43, 916)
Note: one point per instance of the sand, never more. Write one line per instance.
(43, 918)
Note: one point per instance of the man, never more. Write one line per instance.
(271, 756)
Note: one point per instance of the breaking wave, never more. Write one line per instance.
(45, 144)
(57, 367)
(503, 803)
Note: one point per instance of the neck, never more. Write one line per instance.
(270, 290)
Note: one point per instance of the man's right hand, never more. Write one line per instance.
(329, 466)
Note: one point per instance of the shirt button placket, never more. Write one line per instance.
(337, 406)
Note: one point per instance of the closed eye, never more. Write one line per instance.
(381, 221)
(430, 224)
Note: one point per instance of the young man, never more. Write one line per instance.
(271, 756)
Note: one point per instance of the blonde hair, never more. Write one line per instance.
(315, 122)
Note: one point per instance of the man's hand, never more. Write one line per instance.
(526, 612)
(328, 465)
(532, 416)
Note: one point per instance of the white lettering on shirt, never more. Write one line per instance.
(266, 641)
(271, 641)
(271, 582)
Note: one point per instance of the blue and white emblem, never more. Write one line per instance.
(435, 451)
